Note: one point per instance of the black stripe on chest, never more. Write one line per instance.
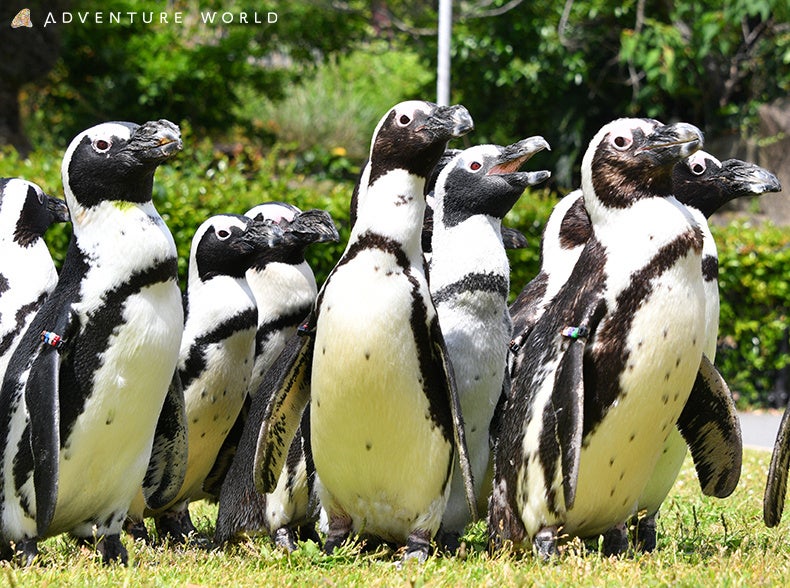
(79, 367)
(270, 328)
(19, 320)
(604, 366)
(432, 376)
(473, 282)
(195, 362)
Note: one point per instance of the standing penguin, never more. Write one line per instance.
(217, 352)
(607, 368)
(470, 281)
(384, 414)
(285, 289)
(27, 273)
(90, 409)
(704, 184)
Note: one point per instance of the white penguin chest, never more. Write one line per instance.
(376, 448)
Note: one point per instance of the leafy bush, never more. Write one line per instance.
(340, 103)
(754, 263)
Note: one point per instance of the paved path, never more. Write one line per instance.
(759, 428)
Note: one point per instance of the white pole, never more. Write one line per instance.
(443, 57)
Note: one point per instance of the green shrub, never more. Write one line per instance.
(339, 105)
(754, 264)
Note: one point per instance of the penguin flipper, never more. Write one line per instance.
(776, 484)
(459, 432)
(42, 398)
(567, 415)
(168, 464)
(563, 418)
(709, 424)
(286, 385)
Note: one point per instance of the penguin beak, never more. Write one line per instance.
(310, 226)
(671, 143)
(58, 209)
(448, 122)
(748, 178)
(262, 234)
(156, 141)
(513, 156)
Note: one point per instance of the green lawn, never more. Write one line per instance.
(702, 542)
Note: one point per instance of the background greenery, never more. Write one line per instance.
(285, 111)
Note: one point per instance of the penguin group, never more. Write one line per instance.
(403, 398)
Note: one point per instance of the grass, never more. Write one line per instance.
(702, 541)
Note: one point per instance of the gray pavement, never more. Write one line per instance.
(759, 428)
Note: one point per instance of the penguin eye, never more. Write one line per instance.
(102, 145)
(697, 169)
(40, 198)
(622, 143)
(404, 120)
(475, 165)
(223, 234)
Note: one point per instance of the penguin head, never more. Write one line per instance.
(632, 158)
(300, 229)
(116, 161)
(705, 183)
(413, 136)
(228, 244)
(26, 211)
(484, 180)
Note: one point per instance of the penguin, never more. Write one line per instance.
(27, 272)
(285, 289)
(607, 368)
(91, 409)
(469, 284)
(384, 417)
(511, 238)
(704, 184)
(217, 353)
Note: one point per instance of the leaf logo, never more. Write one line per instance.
(22, 19)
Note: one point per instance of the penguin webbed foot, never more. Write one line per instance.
(177, 527)
(137, 531)
(285, 539)
(449, 541)
(418, 547)
(545, 543)
(308, 532)
(615, 540)
(109, 547)
(645, 535)
(21, 553)
(339, 531)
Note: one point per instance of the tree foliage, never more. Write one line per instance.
(188, 71)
